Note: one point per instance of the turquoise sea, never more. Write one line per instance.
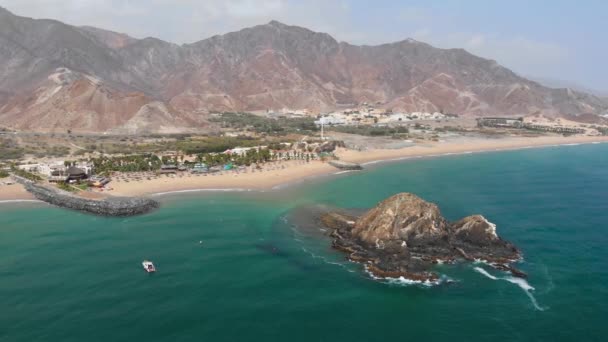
(237, 266)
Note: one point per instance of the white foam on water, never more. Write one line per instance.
(484, 272)
(405, 281)
(342, 172)
(550, 283)
(372, 162)
(480, 261)
(324, 259)
(388, 160)
(20, 201)
(204, 190)
(527, 288)
(522, 283)
(402, 281)
(519, 282)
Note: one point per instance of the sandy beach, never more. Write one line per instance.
(464, 145)
(14, 192)
(281, 173)
(258, 180)
(297, 171)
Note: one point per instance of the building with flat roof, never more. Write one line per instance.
(168, 168)
(500, 122)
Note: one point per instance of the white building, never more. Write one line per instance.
(57, 168)
(50, 169)
(397, 117)
(331, 119)
(241, 151)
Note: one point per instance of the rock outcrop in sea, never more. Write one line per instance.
(403, 236)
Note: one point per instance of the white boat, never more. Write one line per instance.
(148, 266)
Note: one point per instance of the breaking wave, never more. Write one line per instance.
(204, 190)
(522, 283)
(20, 201)
(343, 172)
(402, 281)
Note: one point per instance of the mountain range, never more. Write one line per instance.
(55, 76)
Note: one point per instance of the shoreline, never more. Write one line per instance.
(15, 193)
(268, 181)
(296, 172)
(447, 154)
(467, 146)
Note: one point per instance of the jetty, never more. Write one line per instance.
(106, 206)
(342, 165)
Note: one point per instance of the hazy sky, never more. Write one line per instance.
(557, 39)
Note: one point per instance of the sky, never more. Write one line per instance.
(547, 39)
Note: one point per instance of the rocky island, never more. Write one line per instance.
(403, 236)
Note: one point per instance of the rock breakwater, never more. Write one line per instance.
(109, 206)
(342, 165)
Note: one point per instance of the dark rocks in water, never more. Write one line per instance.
(404, 236)
(110, 206)
(345, 165)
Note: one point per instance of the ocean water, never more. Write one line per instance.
(242, 267)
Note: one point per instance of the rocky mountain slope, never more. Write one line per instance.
(57, 76)
(404, 235)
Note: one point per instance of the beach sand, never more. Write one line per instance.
(286, 172)
(464, 145)
(258, 180)
(297, 171)
(14, 192)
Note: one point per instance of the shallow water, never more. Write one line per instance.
(237, 266)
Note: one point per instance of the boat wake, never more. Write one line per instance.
(522, 283)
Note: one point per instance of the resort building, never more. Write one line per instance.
(56, 169)
(241, 151)
(98, 182)
(555, 129)
(200, 168)
(74, 174)
(331, 120)
(169, 168)
(500, 122)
